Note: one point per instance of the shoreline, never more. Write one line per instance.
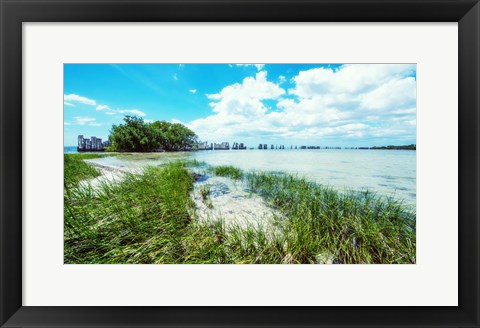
(399, 185)
(307, 222)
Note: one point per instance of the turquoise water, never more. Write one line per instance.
(385, 172)
(70, 150)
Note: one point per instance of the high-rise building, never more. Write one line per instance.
(93, 140)
(93, 144)
(81, 143)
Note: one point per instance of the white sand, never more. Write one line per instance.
(232, 204)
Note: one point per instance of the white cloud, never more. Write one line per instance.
(325, 105)
(126, 111)
(374, 99)
(394, 94)
(237, 107)
(81, 120)
(349, 79)
(90, 121)
(79, 99)
(133, 111)
(67, 104)
(102, 107)
(193, 90)
(215, 96)
(258, 66)
(246, 97)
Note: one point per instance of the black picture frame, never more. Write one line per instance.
(14, 12)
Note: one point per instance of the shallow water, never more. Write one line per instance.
(385, 172)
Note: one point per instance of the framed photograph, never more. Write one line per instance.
(243, 163)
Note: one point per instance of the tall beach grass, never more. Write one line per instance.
(150, 218)
(75, 169)
(140, 219)
(342, 227)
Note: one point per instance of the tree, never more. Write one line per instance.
(137, 136)
(174, 136)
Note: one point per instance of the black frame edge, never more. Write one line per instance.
(469, 159)
(10, 164)
(13, 13)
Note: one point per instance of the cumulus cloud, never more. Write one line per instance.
(348, 79)
(73, 98)
(324, 105)
(193, 90)
(237, 107)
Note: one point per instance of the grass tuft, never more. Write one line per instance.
(227, 171)
(204, 192)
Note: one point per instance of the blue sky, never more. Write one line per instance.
(326, 105)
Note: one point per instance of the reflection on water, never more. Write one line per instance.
(386, 172)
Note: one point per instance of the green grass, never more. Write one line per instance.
(193, 163)
(227, 171)
(75, 170)
(349, 227)
(141, 219)
(150, 218)
(89, 155)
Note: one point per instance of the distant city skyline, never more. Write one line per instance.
(283, 104)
